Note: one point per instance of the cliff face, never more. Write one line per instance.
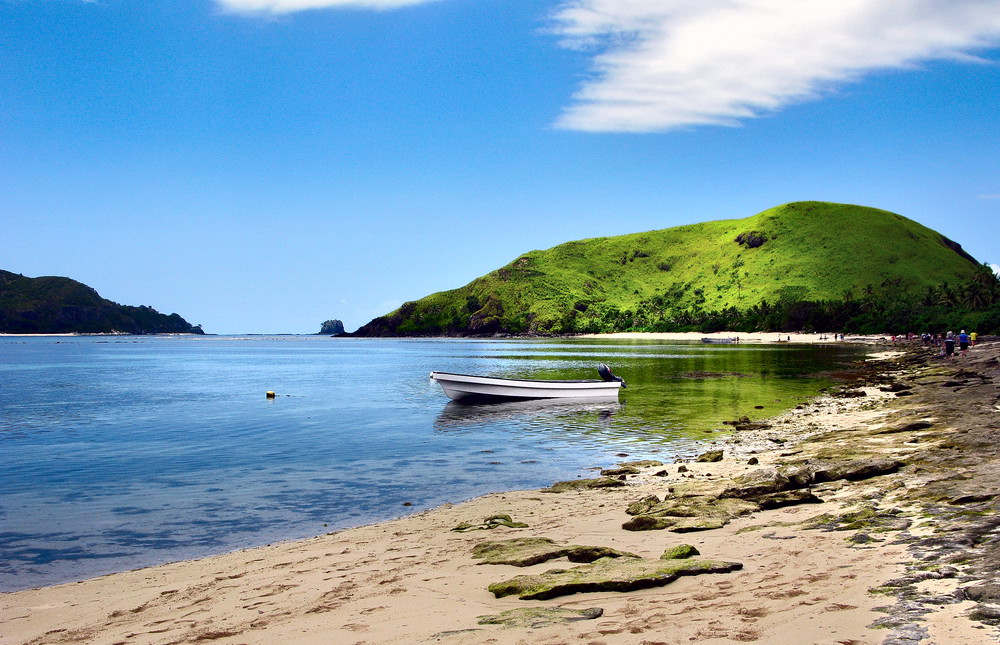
(56, 305)
(799, 252)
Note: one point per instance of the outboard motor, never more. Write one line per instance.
(606, 374)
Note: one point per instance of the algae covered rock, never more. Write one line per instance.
(524, 552)
(621, 470)
(787, 498)
(680, 552)
(535, 617)
(642, 463)
(687, 513)
(606, 574)
(856, 469)
(643, 505)
(711, 456)
(489, 523)
(583, 484)
(762, 481)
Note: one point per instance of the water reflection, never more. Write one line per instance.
(457, 416)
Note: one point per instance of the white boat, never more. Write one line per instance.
(720, 341)
(469, 388)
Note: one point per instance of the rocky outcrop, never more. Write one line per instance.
(332, 327)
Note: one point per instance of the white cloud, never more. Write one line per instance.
(665, 64)
(996, 269)
(288, 6)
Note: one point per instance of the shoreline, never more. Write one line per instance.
(413, 578)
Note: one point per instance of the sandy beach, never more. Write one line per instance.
(903, 555)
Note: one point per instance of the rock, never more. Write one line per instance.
(578, 484)
(648, 523)
(691, 524)
(490, 523)
(710, 457)
(686, 514)
(680, 552)
(753, 461)
(535, 617)
(607, 574)
(617, 472)
(986, 613)
(643, 505)
(524, 552)
(787, 498)
(979, 593)
(645, 463)
(332, 327)
(682, 468)
(855, 470)
(971, 499)
(762, 481)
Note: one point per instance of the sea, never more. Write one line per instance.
(120, 452)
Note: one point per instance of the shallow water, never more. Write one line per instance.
(120, 452)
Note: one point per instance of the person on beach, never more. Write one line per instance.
(949, 346)
(972, 338)
(963, 343)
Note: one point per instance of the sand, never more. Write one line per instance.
(413, 580)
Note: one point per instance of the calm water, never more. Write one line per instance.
(120, 452)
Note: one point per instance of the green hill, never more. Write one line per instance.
(689, 276)
(54, 305)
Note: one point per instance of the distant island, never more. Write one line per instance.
(332, 327)
(800, 266)
(56, 305)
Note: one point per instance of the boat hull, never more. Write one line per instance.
(468, 388)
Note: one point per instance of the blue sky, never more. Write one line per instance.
(265, 165)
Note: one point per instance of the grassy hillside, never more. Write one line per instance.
(805, 251)
(51, 305)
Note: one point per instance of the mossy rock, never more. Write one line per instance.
(680, 552)
(711, 456)
(490, 523)
(706, 506)
(535, 617)
(524, 552)
(692, 524)
(607, 574)
(616, 472)
(583, 484)
(649, 523)
(643, 463)
(643, 505)
(689, 514)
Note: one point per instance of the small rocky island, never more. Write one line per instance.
(332, 327)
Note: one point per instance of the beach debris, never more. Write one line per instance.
(607, 574)
(490, 523)
(524, 552)
(535, 617)
(581, 484)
